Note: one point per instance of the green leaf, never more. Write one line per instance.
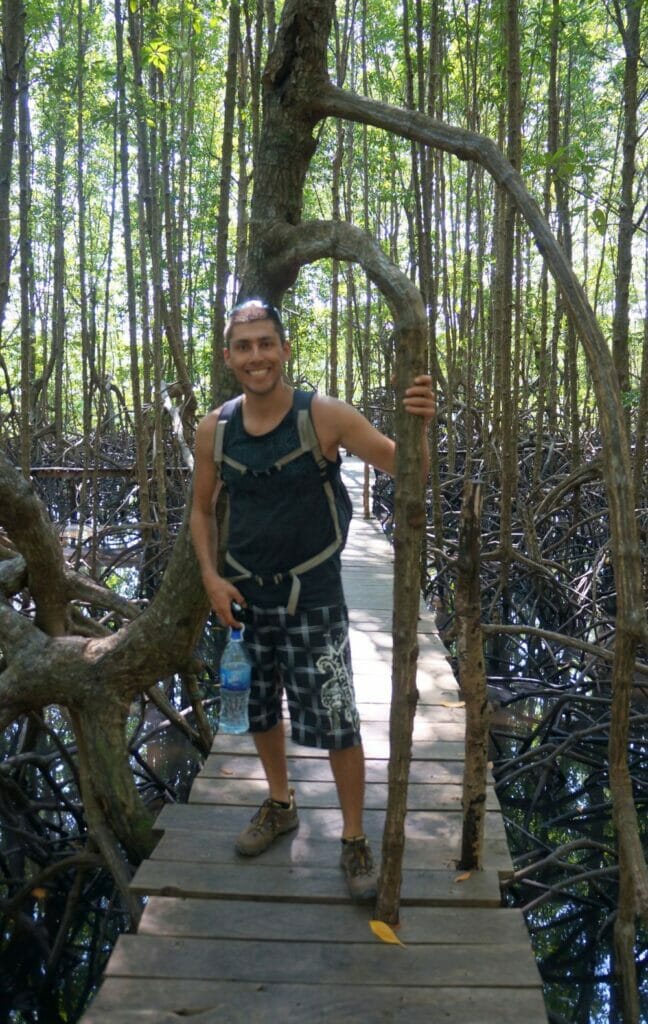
(157, 54)
(600, 220)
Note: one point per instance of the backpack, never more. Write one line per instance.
(308, 443)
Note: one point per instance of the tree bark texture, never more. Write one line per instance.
(13, 48)
(472, 677)
(221, 382)
(631, 36)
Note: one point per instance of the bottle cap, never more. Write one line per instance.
(235, 633)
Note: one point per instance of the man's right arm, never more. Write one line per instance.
(202, 523)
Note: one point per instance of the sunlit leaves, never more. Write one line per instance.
(156, 53)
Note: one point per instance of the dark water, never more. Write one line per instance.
(561, 802)
(52, 955)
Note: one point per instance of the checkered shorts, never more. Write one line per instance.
(308, 655)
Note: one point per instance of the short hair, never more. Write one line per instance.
(254, 309)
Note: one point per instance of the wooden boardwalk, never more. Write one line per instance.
(276, 939)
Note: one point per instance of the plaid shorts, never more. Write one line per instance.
(308, 655)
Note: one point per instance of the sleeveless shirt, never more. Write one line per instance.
(280, 518)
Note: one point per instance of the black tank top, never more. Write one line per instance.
(280, 518)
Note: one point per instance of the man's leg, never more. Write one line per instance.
(349, 773)
(277, 814)
(356, 860)
(271, 748)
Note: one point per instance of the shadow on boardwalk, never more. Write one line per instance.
(225, 939)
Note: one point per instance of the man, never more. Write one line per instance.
(286, 529)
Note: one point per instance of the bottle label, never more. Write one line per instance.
(235, 678)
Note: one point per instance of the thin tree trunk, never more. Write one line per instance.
(642, 413)
(141, 428)
(630, 34)
(27, 303)
(58, 298)
(472, 675)
(13, 46)
(221, 382)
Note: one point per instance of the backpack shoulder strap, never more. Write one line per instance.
(306, 429)
(227, 411)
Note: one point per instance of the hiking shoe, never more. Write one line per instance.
(358, 865)
(270, 821)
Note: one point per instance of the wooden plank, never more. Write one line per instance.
(295, 962)
(251, 879)
(214, 1002)
(311, 769)
(434, 750)
(424, 731)
(324, 822)
(302, 848)
(239, 919)
(251, 792)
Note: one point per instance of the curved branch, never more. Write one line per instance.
(631, 617)
(293, 246)
(495, 629)
(29, 527)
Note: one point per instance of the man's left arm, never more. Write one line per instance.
(340, 425)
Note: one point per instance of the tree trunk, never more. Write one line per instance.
(221, 382)
(27, 302)
(630, 34)
(141, 428)
(472, 675)
(13, 47)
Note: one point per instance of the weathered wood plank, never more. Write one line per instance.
(213, 1002)
(444, 712)
(239, 919)
(250, 792)
(305, 849)
(261, 880)
(312, 769)
(148, 956)
(324, 822)
(433, 750)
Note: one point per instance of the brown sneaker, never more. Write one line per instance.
(358, 865)
(270, 821)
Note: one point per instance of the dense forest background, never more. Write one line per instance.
(132, 141)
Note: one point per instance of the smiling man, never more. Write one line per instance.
(276, 451)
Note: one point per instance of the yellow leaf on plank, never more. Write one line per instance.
(383, 932)
(463, 877)
(453, 704)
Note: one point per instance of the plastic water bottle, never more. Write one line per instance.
(235, 679)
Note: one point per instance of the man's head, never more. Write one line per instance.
(251, 310)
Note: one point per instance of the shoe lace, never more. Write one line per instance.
(267, 808)
(361, 860)
(263, 812)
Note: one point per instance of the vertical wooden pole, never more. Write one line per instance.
(409, 517)
(473, 678)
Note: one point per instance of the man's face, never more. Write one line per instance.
(256, 356)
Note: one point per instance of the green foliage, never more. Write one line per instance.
(182, 48)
